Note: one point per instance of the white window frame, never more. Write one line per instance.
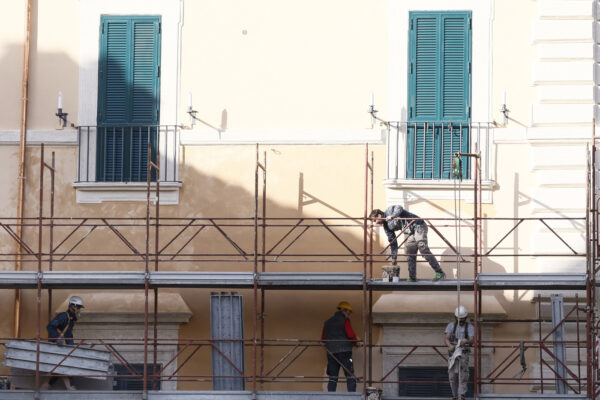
(90, 11)
(400, 189)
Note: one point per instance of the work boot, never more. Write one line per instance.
(439, 276)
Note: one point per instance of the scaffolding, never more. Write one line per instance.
(54, 262)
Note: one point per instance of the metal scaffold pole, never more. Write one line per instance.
(371, 170)
(147, 269)
(263, 268)
(39, 277)
(476, 291)
(364, 283)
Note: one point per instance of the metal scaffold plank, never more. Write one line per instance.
(93, 279)
(311, 280)
(17, 279)
(278, 280)
(178, 395)
(532, 396)
(448, 285)
(532, 281)
(202, 279)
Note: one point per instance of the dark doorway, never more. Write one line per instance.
(428, 375)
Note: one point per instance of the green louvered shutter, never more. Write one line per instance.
(439, 92)
(128, 96)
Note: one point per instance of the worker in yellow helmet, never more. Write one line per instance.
(339, 337)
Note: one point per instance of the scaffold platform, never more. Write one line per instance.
(278, 280)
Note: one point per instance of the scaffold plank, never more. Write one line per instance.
(17, 279)
(202, 279)
(178, 395)
(93, 279)
(448, 285)
(532, 396)
(311, 280)
(278, 280)
(532, 281)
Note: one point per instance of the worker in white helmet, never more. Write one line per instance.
(60, 330)
(459, 339)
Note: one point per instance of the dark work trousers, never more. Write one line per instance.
(333, 370)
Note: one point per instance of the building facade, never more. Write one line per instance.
(274, 129)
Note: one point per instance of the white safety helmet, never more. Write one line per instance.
(76, 301)
(461, 312)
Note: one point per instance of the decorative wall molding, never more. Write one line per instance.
(100, 192)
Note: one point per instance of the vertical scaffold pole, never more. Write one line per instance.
(157, 208)
(255, 286)
(371, 277)
(476, 348)
(50, 252)
(147, 271)
(263, 267)
(39, 278)
(364, 282)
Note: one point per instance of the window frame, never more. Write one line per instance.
(398, 188)
(90, 12)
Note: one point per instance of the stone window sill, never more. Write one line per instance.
(101, 192)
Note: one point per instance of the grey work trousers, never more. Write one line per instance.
(418, 242)
(459, 376)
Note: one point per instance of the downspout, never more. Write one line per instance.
(21, 176)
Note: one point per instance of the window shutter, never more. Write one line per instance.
(128, 96)
(439, 92)
(144, 74)
(113, 107)
(426, 48)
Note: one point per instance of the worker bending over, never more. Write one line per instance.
(339, 337)
(395, 218)
(459, 339)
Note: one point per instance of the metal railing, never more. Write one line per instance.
(425, 150)
(119, 153)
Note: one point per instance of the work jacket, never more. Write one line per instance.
(62, 327)
(398, 224)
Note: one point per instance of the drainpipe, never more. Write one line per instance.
(21, 176)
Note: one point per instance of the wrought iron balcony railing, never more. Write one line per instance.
(425, 150)
(119, 153)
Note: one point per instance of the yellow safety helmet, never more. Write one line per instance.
(344, 305)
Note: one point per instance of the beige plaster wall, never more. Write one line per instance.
(513, 55)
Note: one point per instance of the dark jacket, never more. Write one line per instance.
(338, 334)
(62, 327)
(398, 224)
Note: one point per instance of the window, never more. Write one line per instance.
(128, 97)
(439, 93)
(125, 380)
(428, 374)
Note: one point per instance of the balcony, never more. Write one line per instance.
(113, 162)
(420, 157)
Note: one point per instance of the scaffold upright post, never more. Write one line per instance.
(39, 277)
(364, 280)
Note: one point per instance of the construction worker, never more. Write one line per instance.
(60, 330)
(339, 337)
(459, 339)
(395, 218)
